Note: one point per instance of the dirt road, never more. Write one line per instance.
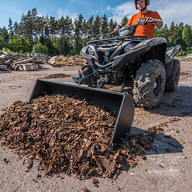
(167, 168)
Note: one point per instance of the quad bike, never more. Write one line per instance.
(145, 64)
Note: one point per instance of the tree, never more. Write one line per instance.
(112, 26)
(68, 26)
(124, 21)
(165, 31)
(187, 34)
(78, 26)
(104, 26)
(39, 48)
(61, 26)
(50, 47)
(173, 34)
(2, 43)
(84, 28)
(10, 26)
(16, 28)
(90, 27)
(4, 34)
(19, 45)
(158, 32)
(96, 27)
(52, 26)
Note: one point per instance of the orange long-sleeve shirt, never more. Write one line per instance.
(144, 30)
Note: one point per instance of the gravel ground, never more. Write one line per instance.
(167, 168)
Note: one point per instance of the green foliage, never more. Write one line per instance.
(124, 21)
(2, 43)
(4, 34)
(76, 47)
(20, 45)
(158, 32)
(7, 50)
(50, 47)
(181, 53)
(39, 48)
(104, 27)
(187, 34)
(96, 27)
(189, 50)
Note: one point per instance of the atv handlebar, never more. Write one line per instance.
(130, 29)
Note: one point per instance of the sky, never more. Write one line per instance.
(176, 11)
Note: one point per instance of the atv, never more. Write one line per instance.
(145, 64)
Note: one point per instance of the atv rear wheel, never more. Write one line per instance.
(85, 71)
(149, 84)
(173, 79)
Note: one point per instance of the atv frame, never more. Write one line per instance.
(135, 61)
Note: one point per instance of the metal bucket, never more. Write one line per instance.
(121, 104)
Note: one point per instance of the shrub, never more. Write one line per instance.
(39, 48)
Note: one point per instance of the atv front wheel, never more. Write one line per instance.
(149, 84)
(84, 73)
(173, 79)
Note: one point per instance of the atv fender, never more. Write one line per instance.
(142, 48)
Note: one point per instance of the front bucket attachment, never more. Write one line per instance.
(121, 104)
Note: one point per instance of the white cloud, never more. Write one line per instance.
(175, 11)
(59, 13)
(66, 12)
(170, 10)
(108, 8)
(125, 9)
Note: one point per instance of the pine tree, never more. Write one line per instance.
(104, 26)
(10, 26)
(4, 34)
(187, 34)
(112, 26)
(78, 26)
(96, 27)
(16, 28)
(68, 26)
(90, 27)
(124, 21)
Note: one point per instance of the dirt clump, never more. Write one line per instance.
(71, 135)
(56, 75)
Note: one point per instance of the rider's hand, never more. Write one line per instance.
(116, 30)
(149, 19)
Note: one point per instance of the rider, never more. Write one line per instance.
(145, 30)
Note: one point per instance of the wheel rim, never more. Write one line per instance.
(158, 86)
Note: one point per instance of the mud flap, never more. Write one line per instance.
(121, 104)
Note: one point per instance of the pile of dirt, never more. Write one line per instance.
(71, 135)
(61, 60)
(56, 75)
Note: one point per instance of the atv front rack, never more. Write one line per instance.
(118, 40)
(121, 104)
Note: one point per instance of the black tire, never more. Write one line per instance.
(173, 79)
(84, 72)
(149, 84)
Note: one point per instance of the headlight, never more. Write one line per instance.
(90, 51)
(128, 47)
(123, 32)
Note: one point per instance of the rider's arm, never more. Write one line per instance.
(159, 23)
